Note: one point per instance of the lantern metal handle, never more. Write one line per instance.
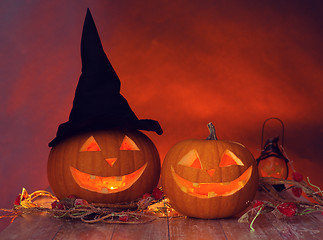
(263, 127)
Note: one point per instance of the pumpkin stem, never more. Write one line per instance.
(212, 135)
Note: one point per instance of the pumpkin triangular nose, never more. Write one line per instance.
(211, 172)
(111, 161)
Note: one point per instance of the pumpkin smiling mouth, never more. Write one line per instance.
(106, 185)
(209, 190)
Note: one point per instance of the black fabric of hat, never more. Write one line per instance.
(98, 104)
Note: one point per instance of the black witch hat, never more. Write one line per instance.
(98, 104)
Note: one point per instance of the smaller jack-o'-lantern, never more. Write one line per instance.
(209, 178)
(106, 166)
(272, 162)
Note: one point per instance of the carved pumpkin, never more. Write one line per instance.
(273, 167)
(104, 166)
(272, 162)
(209, 178)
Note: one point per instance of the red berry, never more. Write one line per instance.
(258, 203)
(157, 194)
(54, 204)
(146, 195)
(298, 177)
(297, 191)
(287, 208)
(17, 201)
(124, 218)
(80, 201)
(57, 205)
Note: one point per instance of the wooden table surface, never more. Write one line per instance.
(43, 226)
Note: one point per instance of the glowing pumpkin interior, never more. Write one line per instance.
(110, 184)
(272, 167)
(213, 189)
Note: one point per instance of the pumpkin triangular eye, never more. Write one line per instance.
(90, 145)
(128, 144)
(229, 159)
(191, 159)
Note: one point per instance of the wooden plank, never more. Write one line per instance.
(190, 228)
(298, 227)
(318, 216)
(32, 226)
(77, 230)
(153, 230)
(241, 231)
(267, 226)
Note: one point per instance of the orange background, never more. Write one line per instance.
(181, 62)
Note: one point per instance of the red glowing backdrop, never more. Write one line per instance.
(182, 62)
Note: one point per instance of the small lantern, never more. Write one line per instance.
(272, 161)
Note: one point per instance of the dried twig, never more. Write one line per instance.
(130, 213)
(266, 183)
(281, 206)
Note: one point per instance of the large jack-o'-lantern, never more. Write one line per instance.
(99, 154)
(104, 166)
(209, 178)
